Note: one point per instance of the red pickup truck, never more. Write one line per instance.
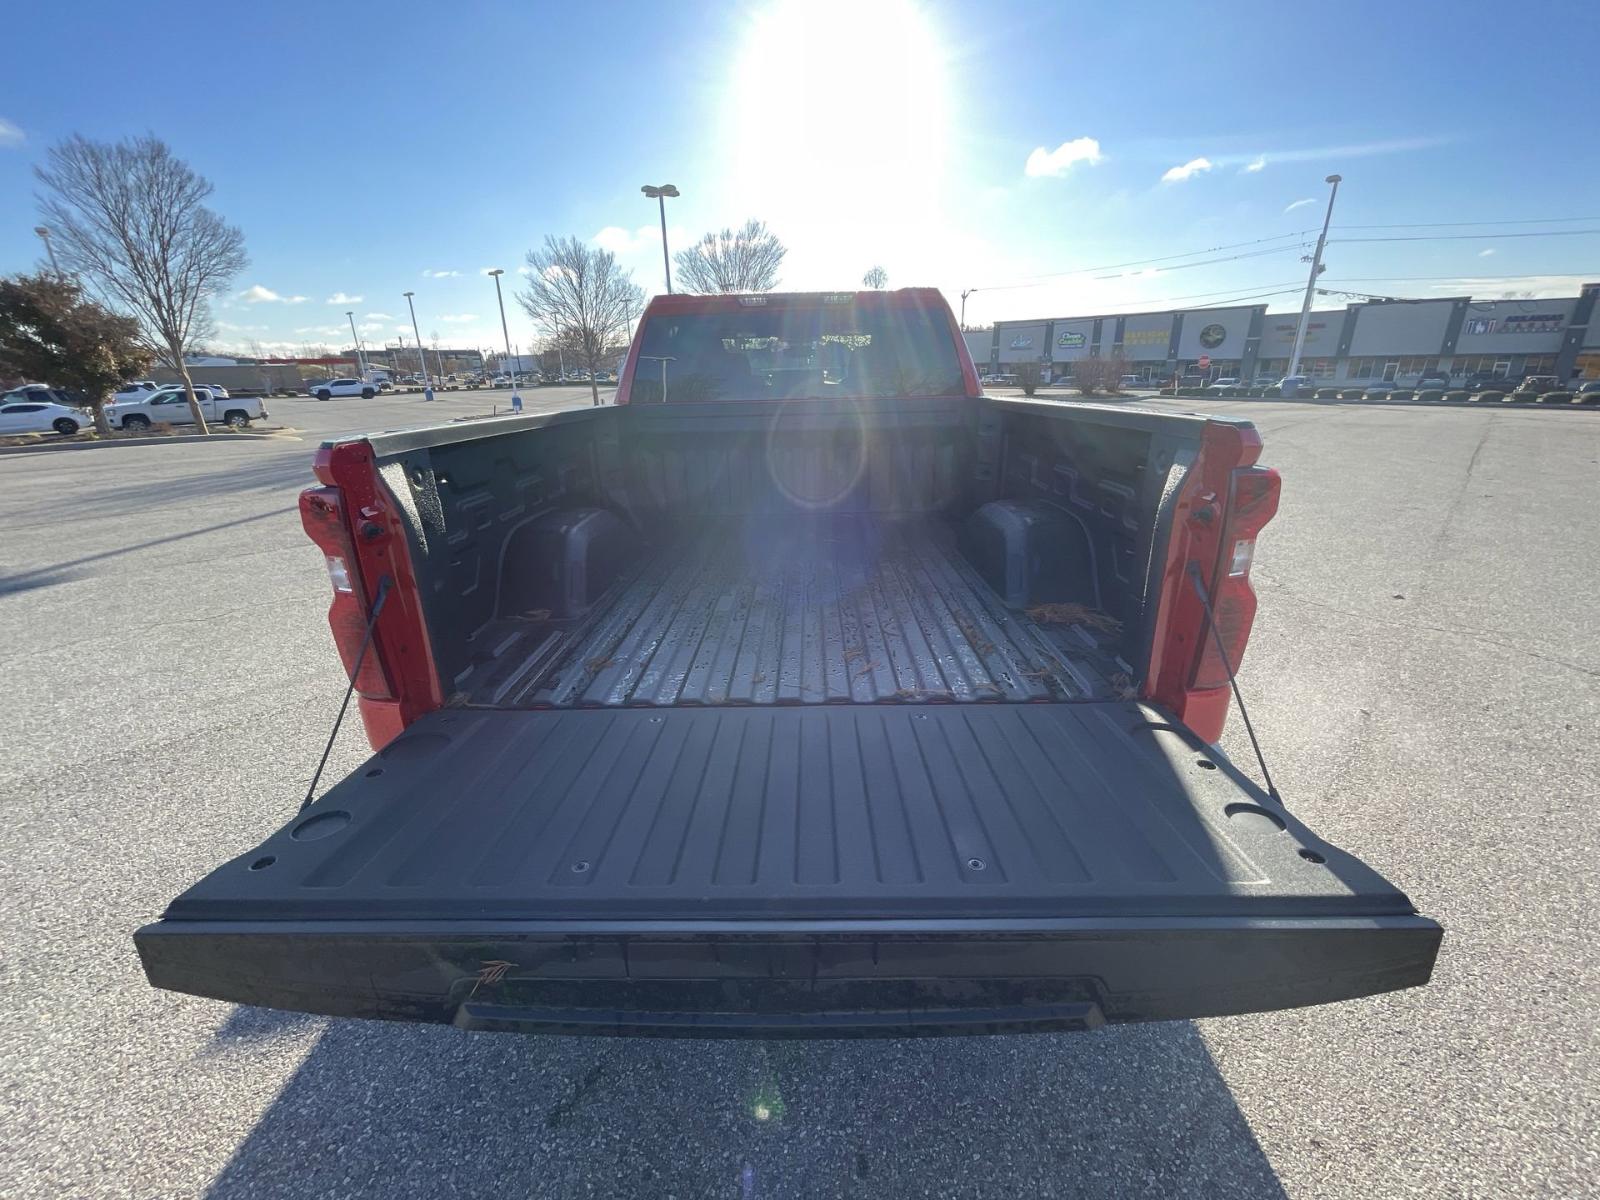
(805, 691)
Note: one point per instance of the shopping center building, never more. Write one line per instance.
(1372, 339)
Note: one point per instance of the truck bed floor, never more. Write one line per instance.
(793, 611)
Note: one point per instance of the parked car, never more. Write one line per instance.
(1590, 388)
(1127, 381)
(1377, 385)
(39, 410)
(135, 389)
(170, 406)
(815, 836)
(329, 388)
(1226, 381)
(1533, 385)
(999, 380)
(1433, 379)
(385, 386)
(1293, 385)
(1483, 381)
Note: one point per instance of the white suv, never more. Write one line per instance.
(329, 388)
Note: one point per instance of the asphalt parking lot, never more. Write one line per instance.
(1424, 675)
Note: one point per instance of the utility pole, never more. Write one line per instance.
(1311, 283)
(964, 296)
(516, 397)
(44, 236)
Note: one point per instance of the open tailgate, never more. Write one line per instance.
(828, 871)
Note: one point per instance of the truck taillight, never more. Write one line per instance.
(322, 514)
(1252, 501)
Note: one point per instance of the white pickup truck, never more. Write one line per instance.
(170, 406)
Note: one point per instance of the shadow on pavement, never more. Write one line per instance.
(62, 572)
(423, 1111)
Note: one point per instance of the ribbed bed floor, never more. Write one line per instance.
(793, 611)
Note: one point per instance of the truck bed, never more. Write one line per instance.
(846, 608)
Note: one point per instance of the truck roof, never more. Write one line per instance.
(912, 297)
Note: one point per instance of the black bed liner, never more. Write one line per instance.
(852, 608)
(799, 813)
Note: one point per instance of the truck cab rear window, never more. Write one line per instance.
(795, 353)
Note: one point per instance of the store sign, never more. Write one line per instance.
(1534, 323)
(1479, 325)
(1146, 337)
(1072, 340)
(1285, 330)
(1022, 343)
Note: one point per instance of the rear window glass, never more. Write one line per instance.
(796, 353)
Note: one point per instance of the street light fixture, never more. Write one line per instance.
(427, 384)
(44, 235)
(1311, 284)
(659, 195)
(516, 398)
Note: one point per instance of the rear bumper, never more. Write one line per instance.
(790, 979)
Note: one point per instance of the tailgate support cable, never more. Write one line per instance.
(355, 672)
(1211, 620)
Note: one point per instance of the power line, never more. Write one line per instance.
(1206, 262)
(1467, 237)
(1464, 278)
(1449, 224)
(1139, 262)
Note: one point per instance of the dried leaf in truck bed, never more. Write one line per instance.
(1122, 686)
(599, 664)
(1074, 614)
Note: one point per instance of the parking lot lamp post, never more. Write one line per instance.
(660, 194)
(44, 236)
(427, 384)
(1311, 284)
(361, 366)
(516, 397)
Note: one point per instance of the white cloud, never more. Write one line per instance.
(1300, 204)
(256, 294)
(380, 316)
(370, 327)
(322, 330)
(10, 134)
(1195, 166)
(1486, 253)
(230, 327)
(342, 298)
(524, 270)
(1257, 163)
(458, 318)
(432, 274)
(1056, 162)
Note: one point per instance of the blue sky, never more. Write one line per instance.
(369, 149)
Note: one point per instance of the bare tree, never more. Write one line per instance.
(579, 294)
(1092, 375)
(1029, 376)
(130, 219)
(876, 278)
(746, 260)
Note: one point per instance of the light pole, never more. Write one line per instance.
(361, 366)
(516, 397)
(427, 384)
(44, 235)
(660, 194)
(964, 296)
(663, 360)
(1311, 284)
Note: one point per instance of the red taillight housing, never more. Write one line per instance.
(353, 520)
(1224, 503)
(322, 514)
(1252, 503)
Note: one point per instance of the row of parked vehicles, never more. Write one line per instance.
(1303, 386)
(39, 408)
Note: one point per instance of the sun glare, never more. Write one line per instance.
(839, 128)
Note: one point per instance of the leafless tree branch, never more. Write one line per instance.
(746, 260)
(578, 294)
(130, 221)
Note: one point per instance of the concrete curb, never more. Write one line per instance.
(281, 435)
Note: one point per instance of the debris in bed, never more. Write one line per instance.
(1122, 686)
(868, 669)
(533, 614)
(1074, 614)
(599, 664)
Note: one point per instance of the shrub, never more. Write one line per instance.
(1028, 377)
(1431, 395)
(1487, 397)
(1557, 398)
(1405, 394)
(1326, 393)
(1457, 396)
(1353, 394)
(1272, 393)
